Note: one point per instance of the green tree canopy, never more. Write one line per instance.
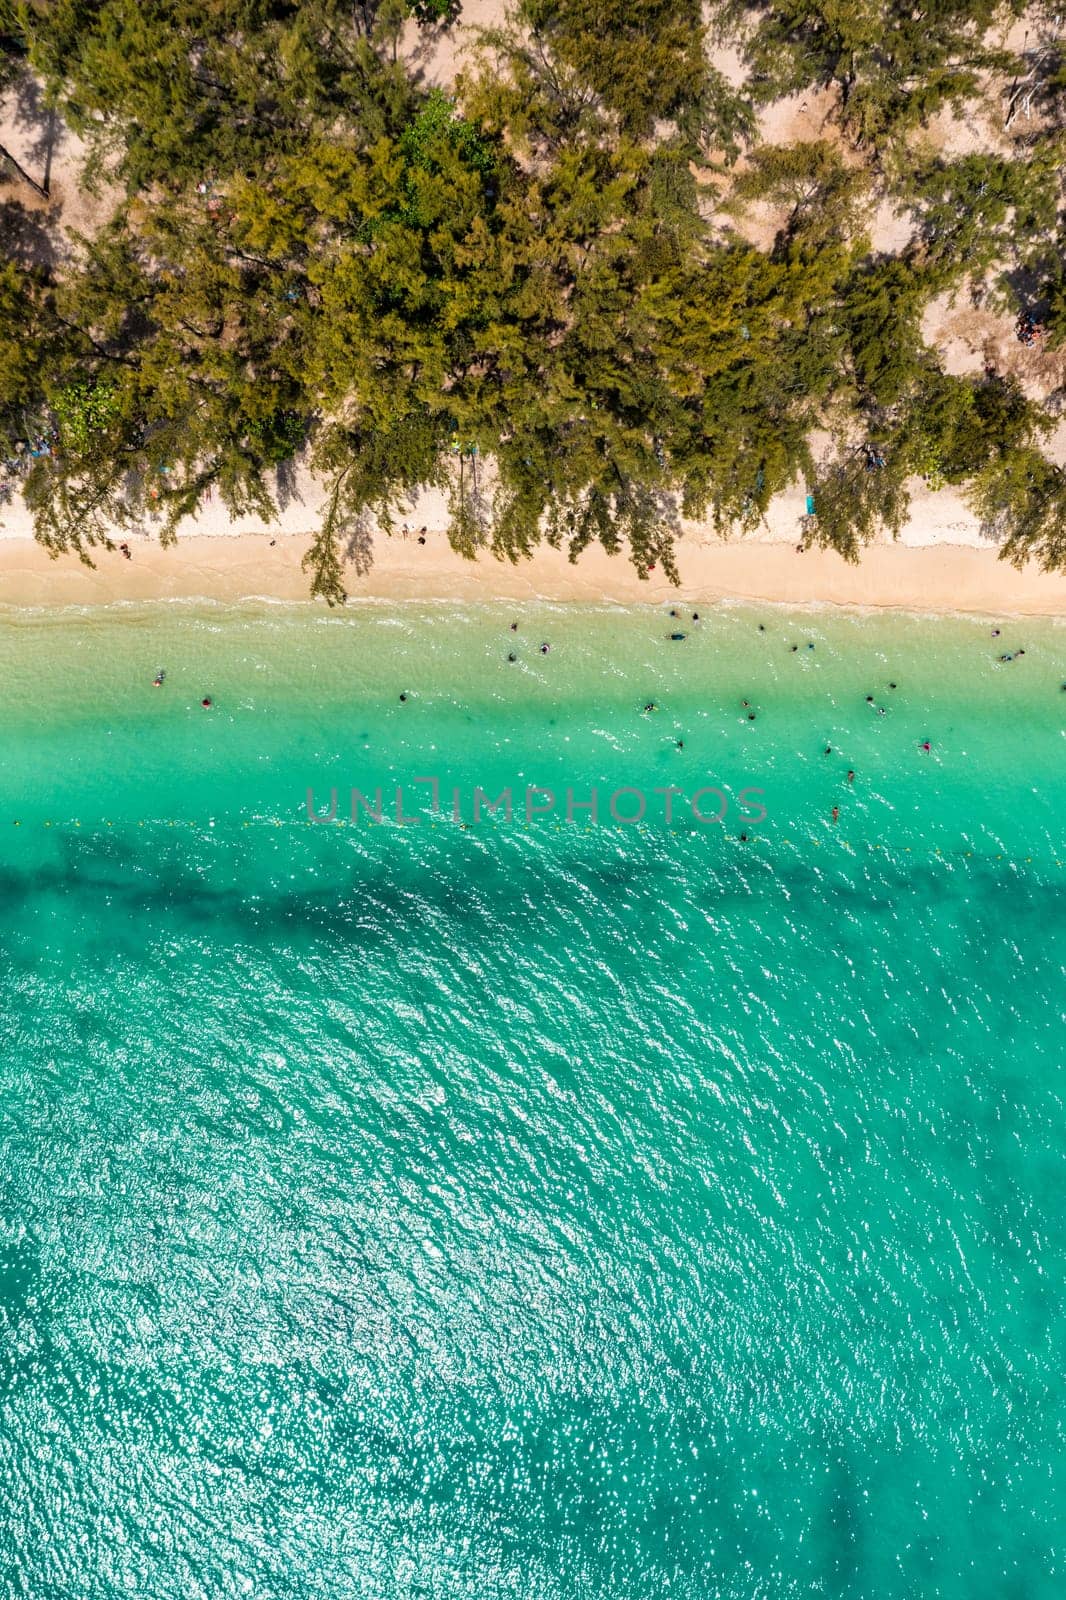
(517, 294)
(172, 91)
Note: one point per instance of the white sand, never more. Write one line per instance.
(938, 578)
(941, 563)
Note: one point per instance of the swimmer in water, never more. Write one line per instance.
(651, 706)
(851, 777)
(157, 681)
(795, 647)
(512, 656)
(544, 649)
(677, 636)
(880, 711)
(869, 699)
(695, 616)
(926, 746)
(892, 686)
(810, 646)
(995, 633)
(828, 751)
(514, 627)
(1007, 657)
(206, 702)
(762, 627)
(836, 812)
(403, 697)
(673, 613)
(681, 744)
(751, 716)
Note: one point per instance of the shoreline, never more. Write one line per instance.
(938, 579)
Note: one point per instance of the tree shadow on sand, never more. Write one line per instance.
(358, 550)
(32, 237)
(286, 489)
(30, 132)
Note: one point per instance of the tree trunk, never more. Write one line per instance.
(38, 188)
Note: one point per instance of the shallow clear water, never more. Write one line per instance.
(550, 1210)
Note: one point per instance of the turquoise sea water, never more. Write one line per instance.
(484, 1210)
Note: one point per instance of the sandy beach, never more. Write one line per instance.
(942, 563)
(931, 578)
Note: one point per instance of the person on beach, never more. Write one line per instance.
(124, 547)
